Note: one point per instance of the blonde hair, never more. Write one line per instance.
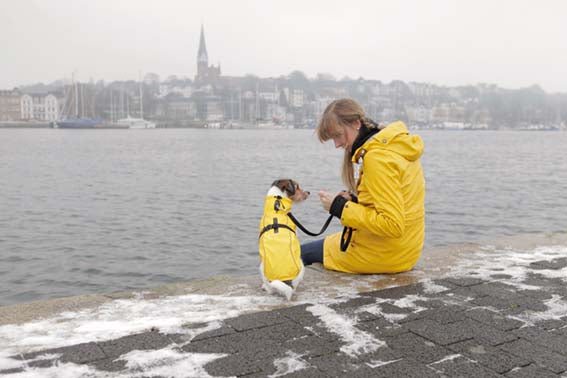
(338, 115)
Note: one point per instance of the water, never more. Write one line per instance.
(92, 211)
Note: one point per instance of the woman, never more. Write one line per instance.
(384, 211)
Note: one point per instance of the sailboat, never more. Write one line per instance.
(76, 120)
(137, 123)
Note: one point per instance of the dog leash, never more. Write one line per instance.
(346, 236)
(302, 228)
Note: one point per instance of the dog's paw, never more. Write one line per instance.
(282, 289)
(267, 288)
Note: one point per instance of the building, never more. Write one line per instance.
(39, 107)
(10, 105)
(205, 74)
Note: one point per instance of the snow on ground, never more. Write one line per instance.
(289, 364)
(356, 341)
(124, 317)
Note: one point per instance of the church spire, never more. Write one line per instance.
(202, 56)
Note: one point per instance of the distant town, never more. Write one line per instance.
(211, 100)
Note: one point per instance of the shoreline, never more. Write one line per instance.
(434, 263)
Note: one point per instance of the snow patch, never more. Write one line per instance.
(357, 341)
(375, 363)
(289, 364)
(125, 317)
(166, 362)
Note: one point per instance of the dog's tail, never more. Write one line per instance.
(282, 289)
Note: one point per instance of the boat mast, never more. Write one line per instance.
(76, 97)
(141, 98)
(82, 100)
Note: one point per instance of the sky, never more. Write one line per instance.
(511, 43)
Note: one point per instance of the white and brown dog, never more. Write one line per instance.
(281, 267)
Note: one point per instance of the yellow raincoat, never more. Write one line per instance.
(279, 250)
(389, 218)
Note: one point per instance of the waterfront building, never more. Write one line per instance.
(10, 105)
(39, 107)
(205, 74)
(418, 114)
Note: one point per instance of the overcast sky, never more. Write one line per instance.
(512, 43)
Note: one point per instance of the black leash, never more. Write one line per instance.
(346, 236)
(347, 231)
(300, 226)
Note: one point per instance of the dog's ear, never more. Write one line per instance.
(279, 184)
(290, 187)
(285, 185)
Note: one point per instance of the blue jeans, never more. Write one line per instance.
(312, 252)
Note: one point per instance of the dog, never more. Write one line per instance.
(281, 267)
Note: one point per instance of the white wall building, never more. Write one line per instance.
(321, 104)
(296, 98)
(39, 107)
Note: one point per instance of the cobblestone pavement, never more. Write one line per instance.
(473, 325)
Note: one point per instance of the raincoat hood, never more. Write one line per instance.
(395, 138)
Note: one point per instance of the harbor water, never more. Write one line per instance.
(92, 211)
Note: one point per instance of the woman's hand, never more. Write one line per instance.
(327, 198)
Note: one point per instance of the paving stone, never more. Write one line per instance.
(445, 283)
(406, 368)
(353, 304)
(141, 341)
(537, 279)
(381, 328)
(491, 357)
(388, 308)
(442, 315)
(496, 289)
(384, 353)
(552, 324)
(500, 276)
(77, 354)
(512, 306)
(460, 366)
(11, 371)
(537, 294)
(255, 320)
(223, 330)
(365, 316)
(538, 335)
(554, 264)
(256, 339)
(429, 304)
(109, 364)
(235, 365)
(531, 371)
(462, 281)
(493, 319)
(417, 348)
(441, 334)
(488, 335)
(541, 356)
(299, 314)
(334, 365)
(463, 294)
(310, 371)
(312, 346)
(397, 292)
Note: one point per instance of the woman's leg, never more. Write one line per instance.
(312, 252)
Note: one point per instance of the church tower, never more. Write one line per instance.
(205, 74)
(202, 57)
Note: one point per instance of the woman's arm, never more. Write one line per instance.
(382, 179)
